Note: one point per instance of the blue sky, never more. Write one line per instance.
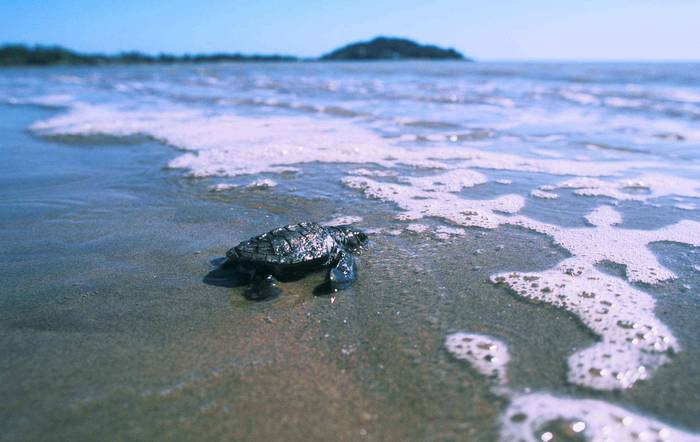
(488, 29)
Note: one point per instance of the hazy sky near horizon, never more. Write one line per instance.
(507, 29)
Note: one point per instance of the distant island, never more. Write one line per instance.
(380, 48)
(387, 48)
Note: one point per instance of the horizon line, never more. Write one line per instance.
(307, 58)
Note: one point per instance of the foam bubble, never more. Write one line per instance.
(485, 354)
(529, 416)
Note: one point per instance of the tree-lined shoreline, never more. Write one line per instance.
(23, 55)
(380, 48)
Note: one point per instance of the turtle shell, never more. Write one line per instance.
(293, 245)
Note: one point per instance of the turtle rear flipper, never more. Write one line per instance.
(344, 273)
(262, 288)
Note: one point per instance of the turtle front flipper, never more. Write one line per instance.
(227, 274)
(344, 273)
(262, 288)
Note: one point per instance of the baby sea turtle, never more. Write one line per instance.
(293, 251)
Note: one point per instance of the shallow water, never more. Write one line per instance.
(119, 185)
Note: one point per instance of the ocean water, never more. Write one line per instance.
(533, 273)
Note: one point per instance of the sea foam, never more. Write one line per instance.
(605, 241)
(230, 145)
(541, 416)
(633, 342)
(628, 189)
(485, 354)
(418, 203)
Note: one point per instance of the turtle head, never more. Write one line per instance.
(232, 255)
(348, 236)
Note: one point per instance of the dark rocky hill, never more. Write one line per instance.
(386, 48)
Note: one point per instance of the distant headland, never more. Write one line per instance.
(22, 55)
(380, 48)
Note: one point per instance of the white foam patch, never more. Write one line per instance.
(656, 126)
(683, 95)
(418, 203)
(263, 183)
(228, 145)
(652, 186)
(604, 216)
(504, 182)
(485, 354)
(222, 187)
(373, 172)
(537, 193)
(446, 232)
(451, 181)
(342, 220)
(686, 206)
(50, 100)
(537, 417)
(579, 97)
(501, 161)
(527, 415)
(633, 342)
(417, 228)
(604, 241)
(546, 153)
